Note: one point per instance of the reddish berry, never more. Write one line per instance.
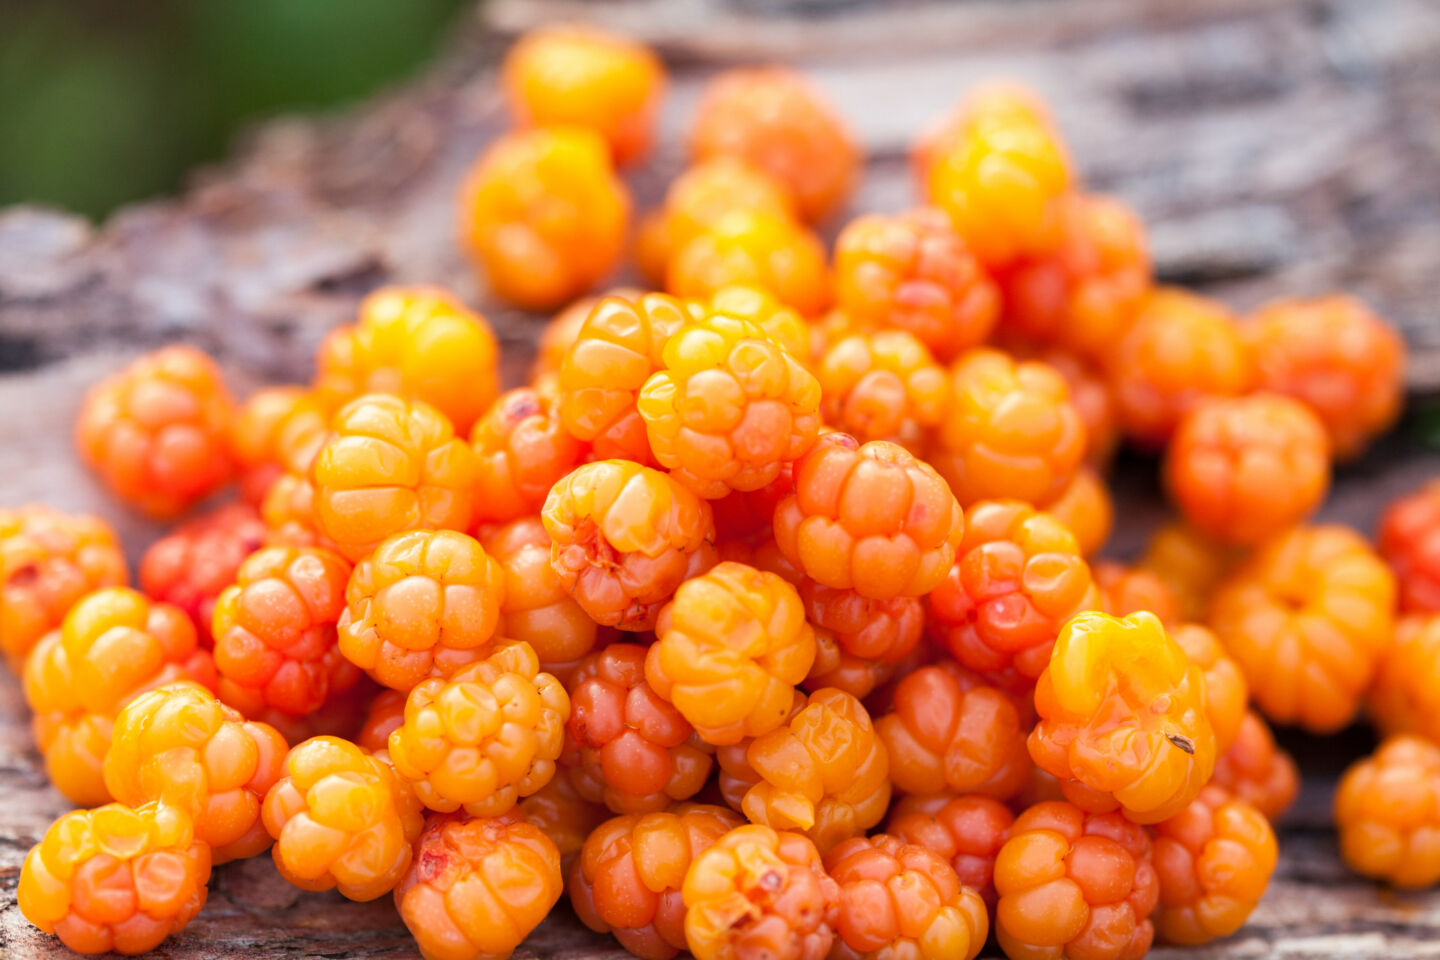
(192, 565)
(523, 450)
(1257, 771)
(1409, 540)
(1126, 590)
(1387, 811)
(386, 712)
(967, 831)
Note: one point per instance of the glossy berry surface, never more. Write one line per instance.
(522, 449)
(536, 608)
(753, 248)
(1227, 692)
(276, 431)
(1409, 540)
(1255, 769)
(1387, 810)
(882, 386)
(192, 565)
(967, 831)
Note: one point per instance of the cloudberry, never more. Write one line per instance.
(115, 878)
(113, 645)
(289, 514)
(882, 386)
(1405, 697)
(628, 878)
(478, 886)
(761, 308)
(536, 608)
(340, 820)
(913, 272)
(385, 713)
(1086, 509)
(179, 745)
(728, 406)
(48, 561)
(1338, 358)
(1387, 811)
(190, 566)
(835, 667)
(773, 119)
(1123, 719)
(425, 603)
(1189, 564)
(757, 249)
(624, 537)
(1182, 348)
(157, 433)
(390, 465)
(759, 892)
(1125, 590)
(1308, 618)
(869, 518)
(1017, 578)
(485, 737)
(1227, 694)
(274, 628)
(1093, 399)
(992, 100)
(1214, 860)
(420, 343)
(897, 899)
(1257, 771)
(543, 214)
(1409, 540)
(590, 78)
(522, 449)
(732, 646)
(627, 747)
(1011, 430)
(967, 831)
(949, 732)
(276, 430)
(885, 631)
(617, 349)
(343, 714)
(562, 814)
(1075, 884)
(1245, 469)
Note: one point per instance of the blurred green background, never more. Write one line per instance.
(104, 102)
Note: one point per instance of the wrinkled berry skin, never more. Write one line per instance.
(1387, 810)
(191, 566)
(1409, 540)
(1256, 770)
(967, 831)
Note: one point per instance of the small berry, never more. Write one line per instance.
(564, 816)
(1387, 811)
(536, 608)
(190, 566)
(1085, 508)
(1125, 590)
(1257, 771)
(882, 386)
(522, 449)
(276, 431)
(1405, 696)
(696, 200)
(967, 831)
(1409, 540)
(753, 248)
(1190, 565)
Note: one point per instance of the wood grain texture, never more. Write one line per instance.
(1275, 147)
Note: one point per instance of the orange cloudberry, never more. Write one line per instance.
(478, 886)
(761, 308)
(1123, 719)
(276, 430)
(882, 386)
(753, 248)
(420, 343)
(623, 538)
(190, 566)
(1189, 564)
(179, 745)
(1085, 507)
(835, 667)
(115, 878)
(543, 214)
(486, 736)
(48, 561)
(885, 631)
(289, 514)
(967, 831)
(1308, 618)
(1075, 884)
(1405, 696)
(113, 645)
(1387, 812)
(992, 99)
(390, 465)
(1093, 399)
(157, 433)
(385, 713)
(1227, 693)
(1125, 590)
(1214, 860)
(1409, 540)
(425, 603)
(1011, 430)
(1337, 357)
(522, 449)
(536, 607)
(627, 880)
(562, 814)
(1257, 771)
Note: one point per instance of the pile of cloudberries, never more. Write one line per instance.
(765, 620)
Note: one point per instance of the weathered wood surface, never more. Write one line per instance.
(1275, 146)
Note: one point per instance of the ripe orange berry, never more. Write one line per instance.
(1308, 618)
(1125, 590)
(1257, 771)
(1075, 884)
(274, 628)
(190, 566)
(1214, 860)
(991, 99)
(1405, 697)
(837, 668)
(1093, 399)
(1018, 577)
(179, 745)
(390, 465)
(1409, 540)
(48, 561)
(773, 119)
(1227, 693)
(626, 747)
(564, 816)
(966, 831)
(485, 737)
(115, 878)
(543, 215)
(1123, 719)
(536, 608)
(1181, 349)
(883, 386)
(869, 518)
(586, 77)
(157, 433)
(1011, 430)
(732, 646)
(113, 645)
(761, 308)
(884, 631)
(624, 537)
(275, 431)
(1387, 811)
(728, 406)
(385, 713)
(628, 879)
(1338, 358)
(522, 449)
(753, 248)
(1190, 565)
(478, 886)
(759, 892)
(1086, 509)
(913, 272)
(420, 343)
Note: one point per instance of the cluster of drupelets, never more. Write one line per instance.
(765, 619)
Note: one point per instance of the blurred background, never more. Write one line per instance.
(102, 103)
